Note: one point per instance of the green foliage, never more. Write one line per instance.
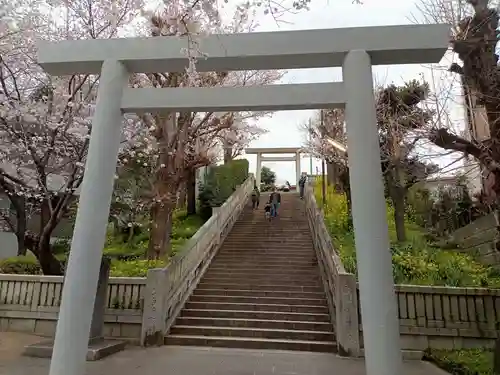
(21, 265)
(220, 183)
(446, 210)
(265, 188)
(61, 247)
(126, 256)
(463, 362)
(267, 176)
(185, 227)
(414, 261)
(135, 268)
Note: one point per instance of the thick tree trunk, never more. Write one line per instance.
(21, 224)
(331, 174)
(181, 199)
(397, 194)
(398, 200)
(191, 192)
(228, 154)
(161, 229)
(48, 262)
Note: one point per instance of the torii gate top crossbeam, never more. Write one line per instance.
(407, 44)
(273, 150)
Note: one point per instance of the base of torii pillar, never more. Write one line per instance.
(98, 346)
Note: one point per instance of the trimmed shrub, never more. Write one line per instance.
(21, 265)
(221, 182)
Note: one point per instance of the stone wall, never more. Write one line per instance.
(446, 317)
(30, 303)
(340, 286)
(477, 239)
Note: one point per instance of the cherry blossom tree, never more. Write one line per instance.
(185, 141)
(45, 122)
(235, 139)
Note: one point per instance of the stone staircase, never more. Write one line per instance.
(262, 290)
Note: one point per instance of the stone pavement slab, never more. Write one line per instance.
(12, 345)
(172, 360)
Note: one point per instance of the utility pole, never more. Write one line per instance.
(323, 179)
(310, 142)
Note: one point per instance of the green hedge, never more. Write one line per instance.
(220, 183)
(20, 265)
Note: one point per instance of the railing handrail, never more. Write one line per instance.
(192, 242)
(322, 226)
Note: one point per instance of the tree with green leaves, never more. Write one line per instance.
(399, 117)
(267, 176)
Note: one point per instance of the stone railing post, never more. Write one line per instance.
(154, 314)
(347, 324)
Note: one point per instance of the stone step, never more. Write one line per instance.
(268, 230)
(290, 242)
(268, 279)
(256, 307)
(255, 323)
(251, 269)
(311, 266)
(252, 343)
(258, 300)
(249, 256)
(229, 260)
(258, 293)
(252, 333)
(256, 315)
(255, 271)
(260, 286)
(264, 275)
(266, 254)
(254, 241)
(266, 249)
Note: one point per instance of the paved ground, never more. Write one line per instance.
(12, 344)
(171, 360)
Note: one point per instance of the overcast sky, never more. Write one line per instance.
(283, 127)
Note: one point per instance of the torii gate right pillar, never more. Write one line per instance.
(379, 308)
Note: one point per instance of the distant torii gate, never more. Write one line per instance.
(275, 150)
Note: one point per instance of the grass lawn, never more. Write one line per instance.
(463, 362)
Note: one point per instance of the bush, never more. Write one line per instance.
(134, 268)
(414, 261)
(221, 182)
(61, 246)
(21, 265)
(126, 257)
(462, 362)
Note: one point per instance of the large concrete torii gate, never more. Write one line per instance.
(355, 49)
(275, 150)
